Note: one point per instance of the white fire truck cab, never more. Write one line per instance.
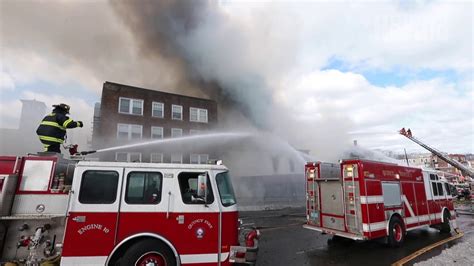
(366, 200)
(111, 213)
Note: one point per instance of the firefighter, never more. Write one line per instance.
(52, 129)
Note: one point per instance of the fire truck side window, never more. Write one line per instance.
(98, 187)
(440, 189)
(188, 186)
(435, 188)
(448, 189)
(226, 191)
(143, 188)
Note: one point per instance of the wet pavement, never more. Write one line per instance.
(285, 242)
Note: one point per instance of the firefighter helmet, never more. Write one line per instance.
(63, 107)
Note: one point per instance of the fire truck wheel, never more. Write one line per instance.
(148, 252)
(445, 226)
(396, 232)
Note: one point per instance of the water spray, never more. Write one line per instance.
(171, 140)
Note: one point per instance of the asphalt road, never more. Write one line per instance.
(285, 242)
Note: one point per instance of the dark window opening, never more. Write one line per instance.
(98, 187)
(440, 189)
(435, 188)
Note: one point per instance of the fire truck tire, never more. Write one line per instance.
(148, 251)
(396, 232)
(445, 226)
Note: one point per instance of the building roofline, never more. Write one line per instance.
(168, 93)
(34, 100)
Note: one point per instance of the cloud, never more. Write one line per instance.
(10, 114)
(437, 112)
(6, 82)
(72, 42)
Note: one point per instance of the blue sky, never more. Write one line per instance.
(395, 75)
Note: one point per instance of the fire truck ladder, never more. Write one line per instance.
(464, 169)
(350, 202)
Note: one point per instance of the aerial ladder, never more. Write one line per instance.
(464, 169)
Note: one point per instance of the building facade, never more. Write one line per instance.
(128, 115)
(22, 140)
(444, 166)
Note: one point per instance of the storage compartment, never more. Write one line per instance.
(330, 171)
(335, 223)
(331, 197)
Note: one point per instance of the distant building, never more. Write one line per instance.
(24, 139)
(444, 166)
(421, 160)
(128, 114)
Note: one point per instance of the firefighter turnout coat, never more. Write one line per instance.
(52, 129)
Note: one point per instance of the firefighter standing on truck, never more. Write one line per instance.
(52, 129)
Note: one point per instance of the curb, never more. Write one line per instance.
(465, 212)
(417, 253)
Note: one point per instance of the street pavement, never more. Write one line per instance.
(285, 242)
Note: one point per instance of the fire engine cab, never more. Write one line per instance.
(75, 212)
(364, 200)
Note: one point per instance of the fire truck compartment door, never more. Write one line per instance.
(93, 212)
(331, 197)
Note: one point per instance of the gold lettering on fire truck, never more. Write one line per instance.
(369, 174)
(197, 221)
(89, 227)
(388, 173)
(404, 174)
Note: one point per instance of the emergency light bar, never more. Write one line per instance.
(214, 161)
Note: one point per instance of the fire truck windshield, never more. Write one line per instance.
(226, 191)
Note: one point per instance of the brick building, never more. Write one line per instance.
(130, 114)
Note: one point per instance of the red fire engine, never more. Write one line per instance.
(365, 200)
(110, 213)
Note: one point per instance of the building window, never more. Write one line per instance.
(197, 115)
(128, 157)
(156, 158)
(195, 132)
(130, 106)
(275, 163)
(129, 131)
(157, 109)
(143, 188)
(176, 158)
(156, 132)
(121, 157)
(176, 132)
(176, 112)
(198, 158)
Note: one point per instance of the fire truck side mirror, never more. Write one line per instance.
(202, 186)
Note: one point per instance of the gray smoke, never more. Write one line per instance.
(187, 47)
(203, 47)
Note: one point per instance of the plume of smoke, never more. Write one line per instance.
(210, 51)
(188, 47)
